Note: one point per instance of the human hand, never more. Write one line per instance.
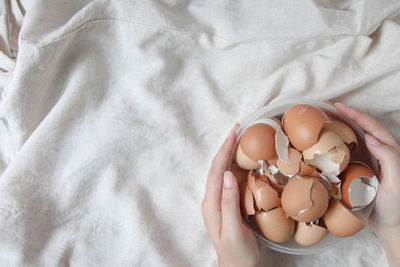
(385, 218)
(233, 241)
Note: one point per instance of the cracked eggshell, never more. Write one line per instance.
(281, 140)
(305, 199)
(258, 142)
(340, 221)
(334, 184)
(329, 154)
(274, 225)
(359, 186)
(306, 170)
(239, 173)
(292, 165)
(246, 200)
(344, 131)
(326, 142)
(277, 181)
(265, 197)
(309, 234)
(303, 124)
(244, 161)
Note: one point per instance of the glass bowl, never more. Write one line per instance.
(361, 153)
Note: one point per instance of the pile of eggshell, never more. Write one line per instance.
(296, 178)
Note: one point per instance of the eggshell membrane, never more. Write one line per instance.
(334, 161)
(265, 197)
(351, 173)
(274, 225)
(344, 131)
(281, 144)
(305, 199)
(244, 161)
(326, 142)
(246, 200)
(239, 173)
(258, 142)
(308, 235)
(340, 221)
(292, 165)
(303, 124)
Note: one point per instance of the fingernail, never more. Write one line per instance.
(228, 179)
(372, 140)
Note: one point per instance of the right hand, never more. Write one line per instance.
(384, 147)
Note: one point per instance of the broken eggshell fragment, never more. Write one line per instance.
(292, 165)
(306, 170)
(303, 124)
(359, 186)
(257, 143)
(329, 154)
(265, 197)
(334, 184)
(246, 200)
(276, 180)
(309, 234)
(344, 131)
(274, 225)
(281, 140)
(305, 199)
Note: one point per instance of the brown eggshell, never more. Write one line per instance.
(277, 181)
(244, 161)
(292, 165)
(340, 221)
(303, 124)
(258, 142)
(305, 199)
(306, 170)
(349, 177)
(327, 141)
(329, 154)
(274, 225)
(308, 235)
(265, 197)
(246, 200)
(344, 131)
(239, 173)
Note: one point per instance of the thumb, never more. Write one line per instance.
(388, 157)
(230, 207)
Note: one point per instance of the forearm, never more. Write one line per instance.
(390, 239)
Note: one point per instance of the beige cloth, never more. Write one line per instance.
(111, 112)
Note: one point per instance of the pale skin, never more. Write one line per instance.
(236, 245)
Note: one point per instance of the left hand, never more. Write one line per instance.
(233, 241)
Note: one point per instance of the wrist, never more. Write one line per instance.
(389, 235)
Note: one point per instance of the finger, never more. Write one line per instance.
(388, 158)
(369, 124)
(218, 167)
(211, 206)
(231, 218)
(389, 161)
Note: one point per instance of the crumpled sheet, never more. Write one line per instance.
(111, 112)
